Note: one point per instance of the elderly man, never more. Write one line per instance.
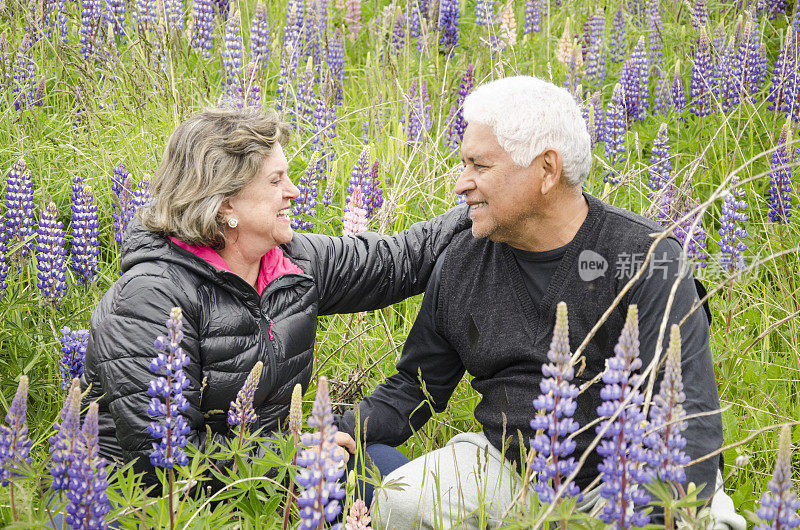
(490, 307)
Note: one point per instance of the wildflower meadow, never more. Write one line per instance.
(693, 109)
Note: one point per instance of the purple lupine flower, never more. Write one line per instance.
(15, 446)
(678, 92)
(484, 12)
(73, 354)
(732, 234)
(771, 8)
(691, 228)
(24, 85)
(64, 443)
(728, 87)
(334, 58)
(222, 7)
(614, 129)
(323, 466)
(360, 174)
(700, 14)
(623, 470)
(702, 73)
(115, 16)
(639, 55)
(87, 502)
(55, 17)
(654, 29)
(305, 203)
(232, 89)
(51, 257)
(203, 27)
(780, 179)
(595, 52)
(172, 432)
(533, 16)
(84, 229)
(252, 86)
(259, 36)
(19, 210)
(146, 14)
(355, 214)
(242, 411)
(374, 199)
(418, 116)
(91, 20)
(616, 46)
(660, 164)
(398, 35)
(748, 59)
(415, 24)
(3, 264)
(629, 79)
(142, 194)
(553, 421)
(779, 504)
(305, 95)
(665, 440)
(596, 112)
(449, 12)
(122, 207)
(352, 17)
(358, 518)
(663, 94)
(173, 11)
(781, 94)
(457, 125)
(573, 79)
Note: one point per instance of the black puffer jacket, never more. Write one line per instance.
(228, 327)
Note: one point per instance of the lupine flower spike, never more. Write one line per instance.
(355, 215)
(731, 231)
(623, 468)
(259, 37)
(85, 230)
(168, 388)
(19, 210)
(203, 27)
(358, 518)
(780, 179)
(51, 257)
(556, 405)
(614, 129)
(678, 92)
(242, 411)
(533, 16)
(232, 89)
(779, 505)
(64, 443)
(323, 463)
(449, 12)
(15, 446)
(666, 440)
(73, 354)
(87, 502)
(702, 73)
(660, 165)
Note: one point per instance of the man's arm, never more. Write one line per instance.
(397, 407)
(704, 434)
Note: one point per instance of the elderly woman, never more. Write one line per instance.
(216, 241)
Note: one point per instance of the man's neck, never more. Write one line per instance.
(557, 225)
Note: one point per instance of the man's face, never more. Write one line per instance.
(502, 196)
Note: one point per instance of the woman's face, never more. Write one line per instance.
(262, 207)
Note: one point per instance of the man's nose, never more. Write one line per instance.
(464, 182)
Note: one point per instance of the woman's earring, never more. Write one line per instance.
(233, 222)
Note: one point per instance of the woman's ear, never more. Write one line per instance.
(225, 209)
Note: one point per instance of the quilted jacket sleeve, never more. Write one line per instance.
(119, 353)
(370, 271)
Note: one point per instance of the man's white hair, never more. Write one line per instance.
(529, 116)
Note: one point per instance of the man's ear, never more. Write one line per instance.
(551, 166)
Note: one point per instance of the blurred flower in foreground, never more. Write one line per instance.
(779, 505)
(15, 446)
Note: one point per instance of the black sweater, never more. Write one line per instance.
(478, 315)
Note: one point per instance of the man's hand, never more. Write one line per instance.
(346, 445)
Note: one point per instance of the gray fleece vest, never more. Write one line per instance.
(486, 313)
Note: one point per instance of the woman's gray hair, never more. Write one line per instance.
(529, 116)
(210, 157)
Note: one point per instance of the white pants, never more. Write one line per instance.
(468, 484)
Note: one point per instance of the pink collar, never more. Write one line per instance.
(273, 264)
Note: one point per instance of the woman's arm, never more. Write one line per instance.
(369, 271)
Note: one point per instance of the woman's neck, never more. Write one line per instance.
(242, 264)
